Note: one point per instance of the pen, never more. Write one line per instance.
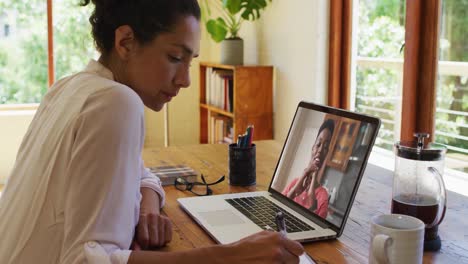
(280, 223)
(251, 135)
(245, 140)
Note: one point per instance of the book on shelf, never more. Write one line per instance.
(168, 174)
(219, 88)
(220, 128)
(227, 140)
(208, 84)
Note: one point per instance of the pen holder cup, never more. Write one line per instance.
(242, 168)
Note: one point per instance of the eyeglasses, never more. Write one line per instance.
(198, 188)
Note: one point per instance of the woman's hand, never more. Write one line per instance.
(306, 180)
(314, 166)
(264, 247)
(310, 172)
(153, 229)
(312, 169)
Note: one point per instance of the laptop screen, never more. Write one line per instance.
(321, 162)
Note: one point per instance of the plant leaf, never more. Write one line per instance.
(217, 29)
(233, 6)
(251, 8)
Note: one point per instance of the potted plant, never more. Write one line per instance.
(225, 28)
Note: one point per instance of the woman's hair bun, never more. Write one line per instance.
(147, 18)
(84, 2)
(95, 2)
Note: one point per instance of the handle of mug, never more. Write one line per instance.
(380, 243)
(443, 201)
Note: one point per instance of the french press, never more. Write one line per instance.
(418, 186)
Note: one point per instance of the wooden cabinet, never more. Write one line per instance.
(233, 97)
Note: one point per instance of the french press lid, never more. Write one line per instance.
(415, 150)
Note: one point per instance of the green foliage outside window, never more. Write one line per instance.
(453, 90)
(381, 35)
(23, 54)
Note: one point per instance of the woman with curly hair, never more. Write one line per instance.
(79, 192)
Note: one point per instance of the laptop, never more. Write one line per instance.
(325, 146)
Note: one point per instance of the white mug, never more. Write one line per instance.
(395, 239)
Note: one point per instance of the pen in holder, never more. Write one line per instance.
(242, 168)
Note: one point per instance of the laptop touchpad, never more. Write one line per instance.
(221, 217)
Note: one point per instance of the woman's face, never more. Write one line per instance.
(156, 71)
(321, 145)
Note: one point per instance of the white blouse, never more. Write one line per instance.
(74, 193)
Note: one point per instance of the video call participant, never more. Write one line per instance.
(307, 190)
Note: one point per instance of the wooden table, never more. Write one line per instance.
(374, 197)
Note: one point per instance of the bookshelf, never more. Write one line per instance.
(233, 97)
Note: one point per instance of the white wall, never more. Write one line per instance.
(13, 126)
(293, 37)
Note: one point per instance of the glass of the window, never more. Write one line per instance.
(23, 51)
(451, 119)
(378, 64)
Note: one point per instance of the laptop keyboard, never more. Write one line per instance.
(263, 211)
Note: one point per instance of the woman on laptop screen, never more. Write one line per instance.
(307, 190)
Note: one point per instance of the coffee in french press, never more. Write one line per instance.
(418, 186)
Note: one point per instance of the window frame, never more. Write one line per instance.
(50, 44)
(420, 68)
(339, 53)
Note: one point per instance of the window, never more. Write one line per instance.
(452, 84)
(377, 82)
(409, 66)
(24, 49)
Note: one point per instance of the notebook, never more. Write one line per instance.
(168, 174)
(325, 146)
